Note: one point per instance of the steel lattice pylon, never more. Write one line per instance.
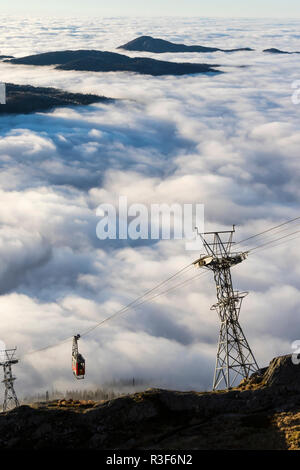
(7, 360)
(234, 356)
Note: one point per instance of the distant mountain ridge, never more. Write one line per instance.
(102, 61)
(273, 50)
(160, 46)
(24, 99)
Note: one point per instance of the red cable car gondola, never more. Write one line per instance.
(78, 362)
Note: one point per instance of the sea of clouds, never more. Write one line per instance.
(229, 141)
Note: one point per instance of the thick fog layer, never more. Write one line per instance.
(229, 141)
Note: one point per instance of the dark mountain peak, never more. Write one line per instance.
(150, 44)
(160, 46)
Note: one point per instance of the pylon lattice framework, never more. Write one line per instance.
(234, 356)
(7, 360)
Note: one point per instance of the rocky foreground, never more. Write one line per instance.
(262, 413)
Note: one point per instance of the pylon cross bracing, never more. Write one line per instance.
(7, 360)
(235, 359)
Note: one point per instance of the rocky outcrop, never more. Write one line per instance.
(262, 413)
(281, 375)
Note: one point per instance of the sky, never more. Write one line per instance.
(230, 141)
(214, 8)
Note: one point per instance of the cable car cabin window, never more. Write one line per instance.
(78, 366)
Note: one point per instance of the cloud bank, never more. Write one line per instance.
(230, 142)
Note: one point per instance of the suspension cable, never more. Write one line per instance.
(262, 247)
(123, 309)
(141, 300)
(268, 230)
(273, 241)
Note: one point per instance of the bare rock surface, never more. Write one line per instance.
(262, 413)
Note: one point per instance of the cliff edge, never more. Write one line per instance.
(262, 413)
